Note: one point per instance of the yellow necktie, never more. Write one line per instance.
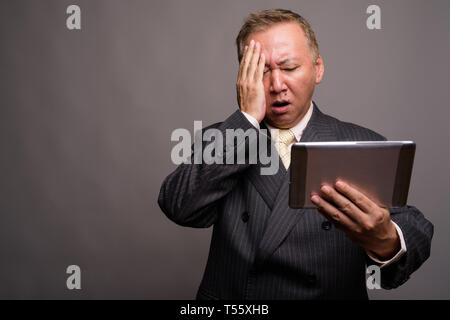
(282, 141)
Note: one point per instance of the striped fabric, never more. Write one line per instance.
(282, 141)
(263, 249)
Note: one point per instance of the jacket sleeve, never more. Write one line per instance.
(417, 232)
(191, 194)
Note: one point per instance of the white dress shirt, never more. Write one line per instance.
(298, 132)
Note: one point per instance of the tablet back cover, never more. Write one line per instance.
(382, 170)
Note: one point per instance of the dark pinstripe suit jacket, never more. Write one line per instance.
(261, 248)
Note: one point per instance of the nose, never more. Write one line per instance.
(277, 84)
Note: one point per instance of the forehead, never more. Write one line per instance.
(281, 41)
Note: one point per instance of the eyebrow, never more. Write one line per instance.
(284, 61)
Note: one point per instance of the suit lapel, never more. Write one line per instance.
(320, 128)
(283, 218)
(267, 186)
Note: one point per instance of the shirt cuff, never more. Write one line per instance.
(399, 254)
(252, 120)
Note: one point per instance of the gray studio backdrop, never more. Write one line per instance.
(86, 118)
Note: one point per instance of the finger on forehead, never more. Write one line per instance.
(241, 63)
(254, 61)
(246, 59)
(260, 69)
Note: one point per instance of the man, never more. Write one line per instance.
(261, 248)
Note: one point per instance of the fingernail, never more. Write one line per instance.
(245, 48)
(315, 199)
(339, 184)
(257, 45)
(325, 189)
(252, 42)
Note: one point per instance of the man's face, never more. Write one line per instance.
(290, 74)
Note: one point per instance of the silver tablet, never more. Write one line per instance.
(380, 169)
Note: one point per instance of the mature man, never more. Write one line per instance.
(261, 248)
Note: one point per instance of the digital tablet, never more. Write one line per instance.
(380, 169)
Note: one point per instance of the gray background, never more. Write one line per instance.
(86, 118)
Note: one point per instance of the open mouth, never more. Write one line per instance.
(279, 104)
(280, 107)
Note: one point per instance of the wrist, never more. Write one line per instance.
(251, 119)
(389, 246)
(254, 115)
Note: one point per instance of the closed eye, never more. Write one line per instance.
(283, 69)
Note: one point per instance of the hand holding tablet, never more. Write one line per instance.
(353, 184)
(380, 169)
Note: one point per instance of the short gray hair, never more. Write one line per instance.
(261, 21)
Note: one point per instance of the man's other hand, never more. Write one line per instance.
(249, 86)
(365, 222)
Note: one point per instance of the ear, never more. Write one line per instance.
(319, 68)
